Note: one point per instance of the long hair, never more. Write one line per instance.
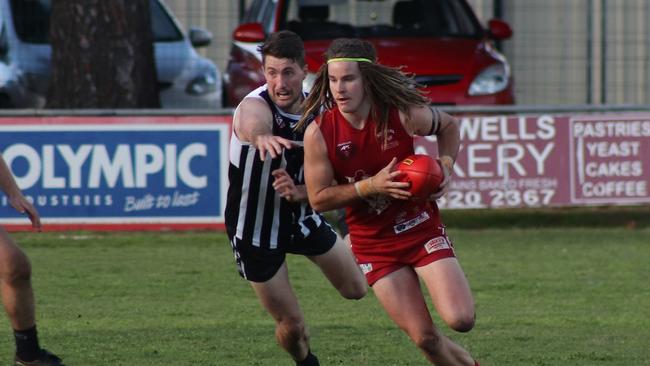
(386, 87)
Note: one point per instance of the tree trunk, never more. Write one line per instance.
(102, 55)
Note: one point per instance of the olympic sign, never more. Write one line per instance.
(119, 172)
(547, 160)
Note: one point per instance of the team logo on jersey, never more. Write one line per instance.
(279, 121)
(358, 175)
(436, 244)
(344, 149)
(377, 203)
(365, 267)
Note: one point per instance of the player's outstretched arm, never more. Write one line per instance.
(15, 196)
(253, 123)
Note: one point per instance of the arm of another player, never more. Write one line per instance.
(286, 188)
(15, 196)
(426, 121)
(253, 123)
(319, 175)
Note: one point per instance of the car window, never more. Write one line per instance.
(251, 15)
(460, 18)
(328, 19)
(266, 17)
(261, 11)
(162, 26)
(32, 21)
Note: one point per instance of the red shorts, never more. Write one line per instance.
(379, 264)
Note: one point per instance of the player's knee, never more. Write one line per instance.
(291, 330)
(462, 323)
(355, 290)
(16, 269)
(429, 342)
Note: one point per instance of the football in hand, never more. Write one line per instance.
(423, 173)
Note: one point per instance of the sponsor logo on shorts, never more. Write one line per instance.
(401, 227)
(436, 244)
(365, 267)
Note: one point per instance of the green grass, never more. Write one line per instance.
(630, 217)
(544, 295)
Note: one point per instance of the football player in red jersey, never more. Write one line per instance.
(369, 116)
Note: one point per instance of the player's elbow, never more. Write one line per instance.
(317, 200)
(318, 205)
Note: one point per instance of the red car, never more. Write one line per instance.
(440, 41)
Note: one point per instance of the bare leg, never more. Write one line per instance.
(341, 269)
(15, 284)
(401, 296)
(279, 300)
(450, 293)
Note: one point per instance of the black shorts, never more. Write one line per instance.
(261, 264)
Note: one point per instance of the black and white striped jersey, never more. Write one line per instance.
(255, 214)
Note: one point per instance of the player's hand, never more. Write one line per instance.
(22, 205)
(444, 186)
(286, 188)
(273, 145)
(384, 182)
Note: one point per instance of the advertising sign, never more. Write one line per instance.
(546, 160)
(137, 172)
(170, 172)
(610, 159)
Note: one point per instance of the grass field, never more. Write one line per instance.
(552, 291)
